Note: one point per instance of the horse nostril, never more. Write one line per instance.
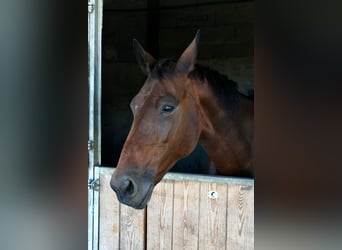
(129, 187)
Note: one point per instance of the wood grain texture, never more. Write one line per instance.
(240, 219)
(109, 216)
(132, 228)
(180, 215)
(160, 217)
(186, 215)
(213, 217)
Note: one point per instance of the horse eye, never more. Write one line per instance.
(167, 108)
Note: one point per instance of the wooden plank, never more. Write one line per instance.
(160, 217)
(240, 218)
(209, 178)
(185, 215)
(109, 216)
(132, 228)
(213, 216)
(199, 178)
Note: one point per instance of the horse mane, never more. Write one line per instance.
(223, 88)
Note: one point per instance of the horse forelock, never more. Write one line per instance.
(164, 68)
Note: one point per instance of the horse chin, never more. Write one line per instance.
(145, 200)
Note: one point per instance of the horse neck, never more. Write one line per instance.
(225, 136)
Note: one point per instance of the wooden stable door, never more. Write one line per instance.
(185, 212)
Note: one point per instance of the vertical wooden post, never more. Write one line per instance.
(160, 217)
(186, 215)
(240, 217)
(213, 216)
(109, 216)
(132, 228)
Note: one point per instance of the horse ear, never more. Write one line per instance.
(144, 59)
(186, 62)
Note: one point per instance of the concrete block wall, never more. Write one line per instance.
(226, 30)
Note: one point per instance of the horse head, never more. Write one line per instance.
(165, 127)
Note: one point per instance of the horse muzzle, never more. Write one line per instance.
(132, 188)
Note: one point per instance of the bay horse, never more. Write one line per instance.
(181, 104)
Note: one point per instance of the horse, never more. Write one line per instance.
(181, 104)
